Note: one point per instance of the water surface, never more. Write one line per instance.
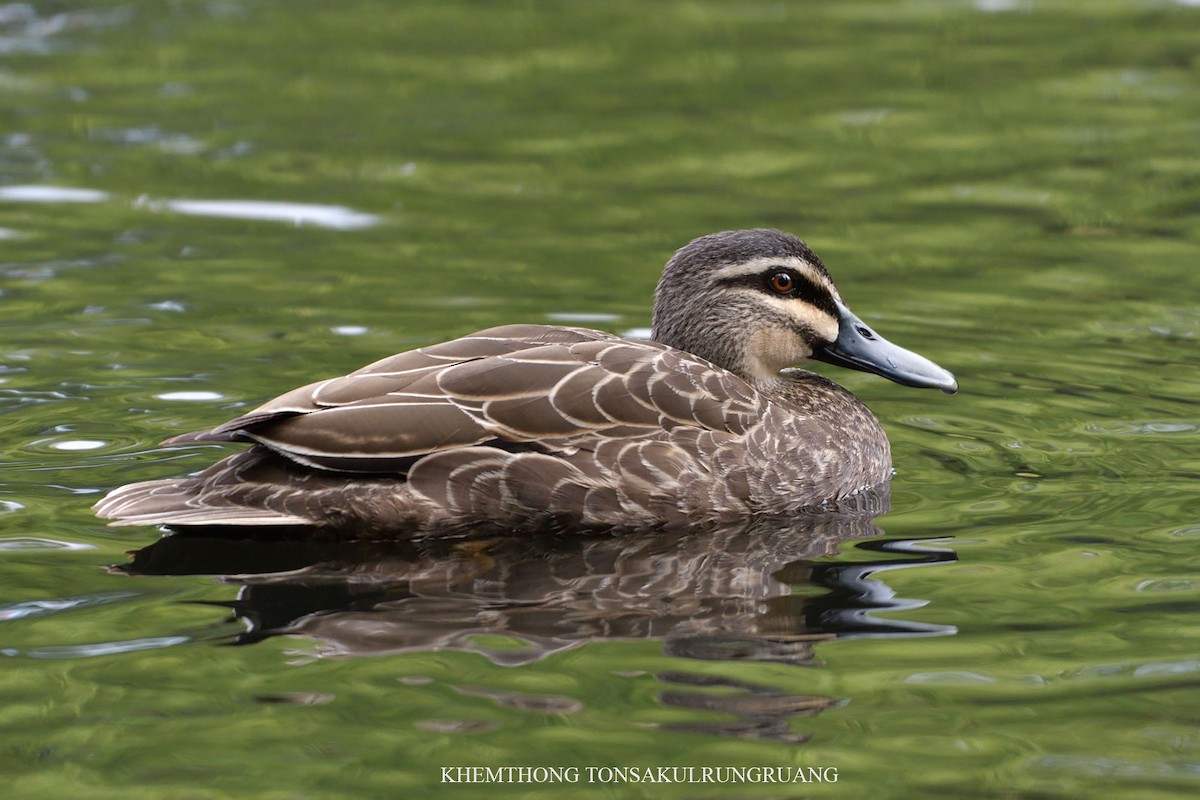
(205, 204)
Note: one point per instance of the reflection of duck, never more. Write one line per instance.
(537, 426)
(730, 594)
(727, 594)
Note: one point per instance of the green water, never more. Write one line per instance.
(1010, 188)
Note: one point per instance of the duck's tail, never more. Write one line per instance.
(243, 489)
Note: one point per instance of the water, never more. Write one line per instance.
(205, 204)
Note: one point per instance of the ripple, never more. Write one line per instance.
(1132, 428)
(51, 194)
(78, 444)
(191, 396)
(543, 703)
(39, 608)
(298, 698)
(321, 216)
(167, 305)
(453, 725)
(949, 678)
(83, 449)
(1172, 323)
(863, 117)
(27, 32)
(174, 143)
(1167, 668)
(10, 506)
(107, 648)
(1114, 767)
(1001, 6)
(23, 543)
(350, 330)
(1164, 585)
(415, 680)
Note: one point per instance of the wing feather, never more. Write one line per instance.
(514, 384)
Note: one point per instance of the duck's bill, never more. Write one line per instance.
(859, 347)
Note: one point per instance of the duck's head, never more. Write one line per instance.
(756, 302)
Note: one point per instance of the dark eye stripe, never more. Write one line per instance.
(803, 288)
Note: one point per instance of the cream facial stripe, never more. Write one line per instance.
(799, 313)
(757, 266)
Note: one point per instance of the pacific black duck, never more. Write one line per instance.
(536, 426)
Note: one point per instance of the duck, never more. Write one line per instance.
(528, 427)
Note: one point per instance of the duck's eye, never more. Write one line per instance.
(781, 283)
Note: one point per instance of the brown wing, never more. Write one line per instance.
(506, 386)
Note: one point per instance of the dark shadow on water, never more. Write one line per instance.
(751, 593)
